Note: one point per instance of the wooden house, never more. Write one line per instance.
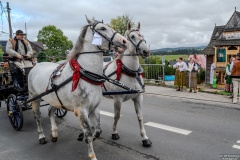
(224, 43)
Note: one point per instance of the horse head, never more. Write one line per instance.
(109, 38)
(137, 43)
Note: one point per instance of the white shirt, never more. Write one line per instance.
(181, 66)
(231, 66)
(191, 66)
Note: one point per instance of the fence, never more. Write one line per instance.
(153, 72)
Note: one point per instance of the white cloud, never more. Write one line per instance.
(171, 23)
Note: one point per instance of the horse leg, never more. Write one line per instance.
(83, 118)
(96, 127)
(117, 110)
(37, 116)
(51, 113)
(138, 101)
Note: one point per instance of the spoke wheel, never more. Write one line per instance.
(14, 112)
(60, 113)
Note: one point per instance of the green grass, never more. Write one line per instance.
(175, 57)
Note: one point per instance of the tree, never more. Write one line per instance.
(42, 57)
(120, 23)
(1, 54)
(54, 40)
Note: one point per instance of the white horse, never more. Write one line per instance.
(83, 101)
(131, 78)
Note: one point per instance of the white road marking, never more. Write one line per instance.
(107, 113)
(168, 128)
(236, 146)
(238, 141)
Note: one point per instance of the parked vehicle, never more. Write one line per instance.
(106, 60)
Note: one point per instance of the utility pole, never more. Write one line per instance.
(26, 29)
(9, 21)
(163, 65)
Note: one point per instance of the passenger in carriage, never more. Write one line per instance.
(21, 51)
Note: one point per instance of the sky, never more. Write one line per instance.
(164, 23)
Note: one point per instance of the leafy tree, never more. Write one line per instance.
(120, 23)
(1, 54)
(42, 57)
(54, 40)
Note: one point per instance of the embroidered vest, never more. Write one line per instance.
(14, 43)
(236, 69)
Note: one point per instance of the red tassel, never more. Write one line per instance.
(119, 69)
(76, 73)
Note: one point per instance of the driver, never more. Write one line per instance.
(19, 47)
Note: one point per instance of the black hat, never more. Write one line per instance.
(238, 54)
(20, 32)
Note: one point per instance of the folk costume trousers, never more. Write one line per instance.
(236, 86)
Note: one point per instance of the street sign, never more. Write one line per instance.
(163, 60)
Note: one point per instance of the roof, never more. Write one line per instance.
(38, 46)
(217, 29)
(233, 23)
(209, 50)
(232, 42)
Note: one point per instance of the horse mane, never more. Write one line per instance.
(78, 46)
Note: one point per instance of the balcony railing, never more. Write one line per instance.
(220, 64)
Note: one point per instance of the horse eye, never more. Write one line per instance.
(103, 28)
(132, 37)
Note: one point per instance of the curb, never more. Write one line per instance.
(174, 87)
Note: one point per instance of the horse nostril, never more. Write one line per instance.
(145, 52)
(124, 41)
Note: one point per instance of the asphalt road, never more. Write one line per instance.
(180, 129)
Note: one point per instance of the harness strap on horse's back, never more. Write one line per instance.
(121, 68)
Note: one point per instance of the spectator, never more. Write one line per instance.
(235, 74)
(191, 80)
(180, 79)
(229, 84)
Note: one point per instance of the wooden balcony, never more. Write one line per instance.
(221, 64)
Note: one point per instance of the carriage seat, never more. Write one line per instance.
(19, 76)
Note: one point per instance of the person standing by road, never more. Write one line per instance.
(228, 78)
(180, 76)
(191, 79)
(235, 75)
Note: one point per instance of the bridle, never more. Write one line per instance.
(138, 44)
(110, 40)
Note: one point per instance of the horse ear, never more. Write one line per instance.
(139, 26)
(129, 26)
(88, 20)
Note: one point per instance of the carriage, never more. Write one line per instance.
(14, 92)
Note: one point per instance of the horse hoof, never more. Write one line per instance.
(80, 137)
(54, 139)
(115, 136)
(97, 135)
(147, 143)
(42, 141)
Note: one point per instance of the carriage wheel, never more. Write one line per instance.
(14, 112)
(60, 113)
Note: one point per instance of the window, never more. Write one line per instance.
(232, 35)
(228, 35)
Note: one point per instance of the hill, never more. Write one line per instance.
(178, 48)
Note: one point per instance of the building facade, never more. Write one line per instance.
(224, 43)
